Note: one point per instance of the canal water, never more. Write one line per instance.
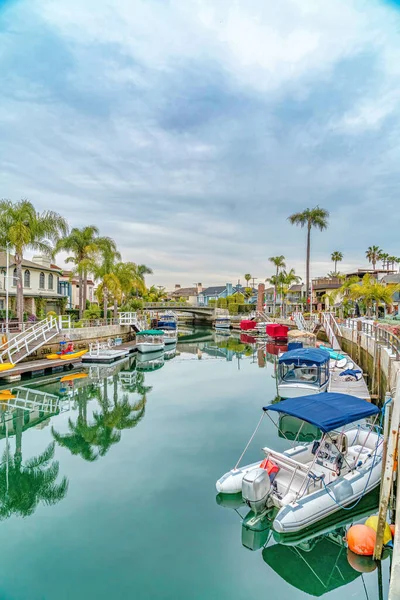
(107, 486)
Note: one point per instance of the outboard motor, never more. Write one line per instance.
(256, 486)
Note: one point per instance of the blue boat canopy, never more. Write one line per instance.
(305, 356)
(327, 411)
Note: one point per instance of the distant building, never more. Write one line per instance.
(40, 280)
(322, 286)
(189, 294)
(69, 287)
(216, 292)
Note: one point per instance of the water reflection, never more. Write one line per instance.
(23, 485)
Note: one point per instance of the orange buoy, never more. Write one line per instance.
(361, 564)
(361, 540)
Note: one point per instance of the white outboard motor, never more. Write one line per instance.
(256, 486)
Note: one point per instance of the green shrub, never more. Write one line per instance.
(93, 312)
(212, 302)
(222, 303)
(233, 309)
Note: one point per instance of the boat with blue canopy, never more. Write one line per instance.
(303, 371)
(310, 481)
(167, 321)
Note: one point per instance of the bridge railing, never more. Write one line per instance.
(168, 305)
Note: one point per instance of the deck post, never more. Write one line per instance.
(394, 586)
(387, 478)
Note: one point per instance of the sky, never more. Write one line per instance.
(189, 130)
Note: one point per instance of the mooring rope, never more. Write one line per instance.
(250, 440)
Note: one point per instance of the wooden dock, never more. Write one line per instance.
(339, 384)
(35, 368)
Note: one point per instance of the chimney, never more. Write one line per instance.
(177, 286)
(260, 297)
(229, 289)
(44, 261)
(199, 288)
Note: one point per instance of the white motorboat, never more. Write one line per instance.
(303, 371)
(222, 323)
(150, 340)
(170, 337)
(312, 481)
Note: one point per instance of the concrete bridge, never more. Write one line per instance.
(206, 312)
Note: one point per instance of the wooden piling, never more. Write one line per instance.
(394, 586)
(387, 479)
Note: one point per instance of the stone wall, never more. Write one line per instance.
(82, 337)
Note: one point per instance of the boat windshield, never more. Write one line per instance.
(303, 374)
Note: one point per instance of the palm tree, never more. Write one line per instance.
(384, 257)
(279, 262)
(391, 260)
(247, 278)
(286, 280)
(143, 270)
(82, 243)
(310, 217)
(103, 269)
(129, 279)
(372, 292)
(373, 253)
(336, 257)
(22, 228)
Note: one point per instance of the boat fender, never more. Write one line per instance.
(361, 540)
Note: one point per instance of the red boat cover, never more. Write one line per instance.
(274, 330)
(247, 325)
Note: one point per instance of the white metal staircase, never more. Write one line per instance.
(30, 400)
(332, 329)
(302, 324)
(263, 317)
(23, 344)
(132, 319)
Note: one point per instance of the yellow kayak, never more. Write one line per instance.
(6, 398)
(67, 356)
(73, 355)
(75, 376)
(6, 366)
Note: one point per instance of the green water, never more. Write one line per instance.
(126, 507)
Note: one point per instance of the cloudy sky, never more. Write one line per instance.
(189, 130)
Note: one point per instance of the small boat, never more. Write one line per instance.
(340, 359)
(312, 481)
(170, 337)
(167, 321)
(5, 393)
(222, 323)
(150, 340)
(6, 366)
(303, 371)
(150, 361)
(74, 376)
(66, 355)
(7, 397)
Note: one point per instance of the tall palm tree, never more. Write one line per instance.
(383, 257)
(82, 243)
(286, 280)
(279, 263)
(143, 270)
(103, 269)
(310, 217)
(247, 278)
(391, 260)
(22, 227)
(373, 253)
(129, 279)
(372, 292)
(336, 257)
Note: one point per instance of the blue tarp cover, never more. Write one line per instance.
(305, 356)
(352, 372)
(327, 410)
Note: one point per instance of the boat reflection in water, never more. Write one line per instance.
(316, 560)
(150, 362)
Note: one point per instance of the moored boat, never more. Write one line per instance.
(222, 323)
(312, 481)
(167, 321)
(303, 371)
(170, 337)
(150, 340)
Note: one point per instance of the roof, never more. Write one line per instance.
(307, 356)
(150, 332)
(327, 411)
(298, 287)
(395, 278)
(189, 291)
(29, 264)
(214, 290)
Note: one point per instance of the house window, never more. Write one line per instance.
(27, 278)
(41, 281)
(15, 277)
(51, 281)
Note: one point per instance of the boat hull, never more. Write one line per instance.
(319, 505)
(295, 390)
(168, 341)
(231, 482)
(146, 347)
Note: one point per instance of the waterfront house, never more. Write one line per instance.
(69, 288)
(189, 294)
(40, 281)
(323, 286)
(216, 292)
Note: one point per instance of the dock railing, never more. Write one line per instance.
(377, 332)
